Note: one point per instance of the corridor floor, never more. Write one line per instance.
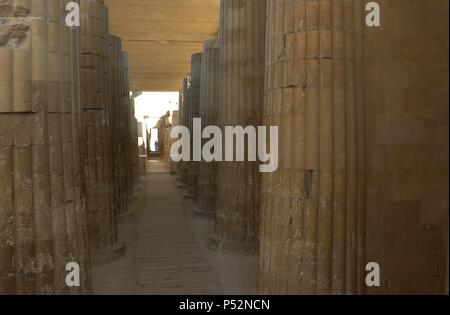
(169, 261)
(167, 249)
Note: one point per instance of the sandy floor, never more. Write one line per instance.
(167, 249)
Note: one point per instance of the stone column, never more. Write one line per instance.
(194, 112)
(209, 107)
(134, 141)
(313, 89)
(97, 129)
(42, 209)
(126, 134)
(185, 120)
(179, 165)
(350, 188)
(242, 46)
(114, 64)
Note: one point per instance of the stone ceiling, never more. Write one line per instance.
(160, 36)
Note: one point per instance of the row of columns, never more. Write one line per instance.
(58, 110)
(349, 188)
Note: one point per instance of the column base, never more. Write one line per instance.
(189, 196)
(215, 243)
(126, 218)
(205, 213)
(108, 255)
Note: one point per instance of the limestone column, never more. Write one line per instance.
(179, 165)
(185, 120)
(97, 128)
(194, 112)
(114, 118)
(114, 62)
(134, 141)
(310, 235)
(209, 106)
(121, 136)
(42, 209)
(126, 132)
(242, 49)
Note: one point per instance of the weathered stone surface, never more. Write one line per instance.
(242, 85)
(97, 128)
(134, 138)
(194, 112)
(406, 125)
(363, 174)
(115, 76)
(184, 108)
(42, 208)
(12, 32)
(209, 108)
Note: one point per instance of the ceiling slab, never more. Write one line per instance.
(160, 36)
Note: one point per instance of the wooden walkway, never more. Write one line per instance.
(169, 261)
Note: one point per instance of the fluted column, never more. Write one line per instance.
(114, 58)
(185, 120)
(42, 208)
(134, 139)
(242, 46)
(314, 88)
(97, 128)
(179, 165)
(126, 133)
(194, 112)
(209, 106)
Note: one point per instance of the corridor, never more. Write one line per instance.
(320, 165)
(167, 248)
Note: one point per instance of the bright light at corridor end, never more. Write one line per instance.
(150, 106)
